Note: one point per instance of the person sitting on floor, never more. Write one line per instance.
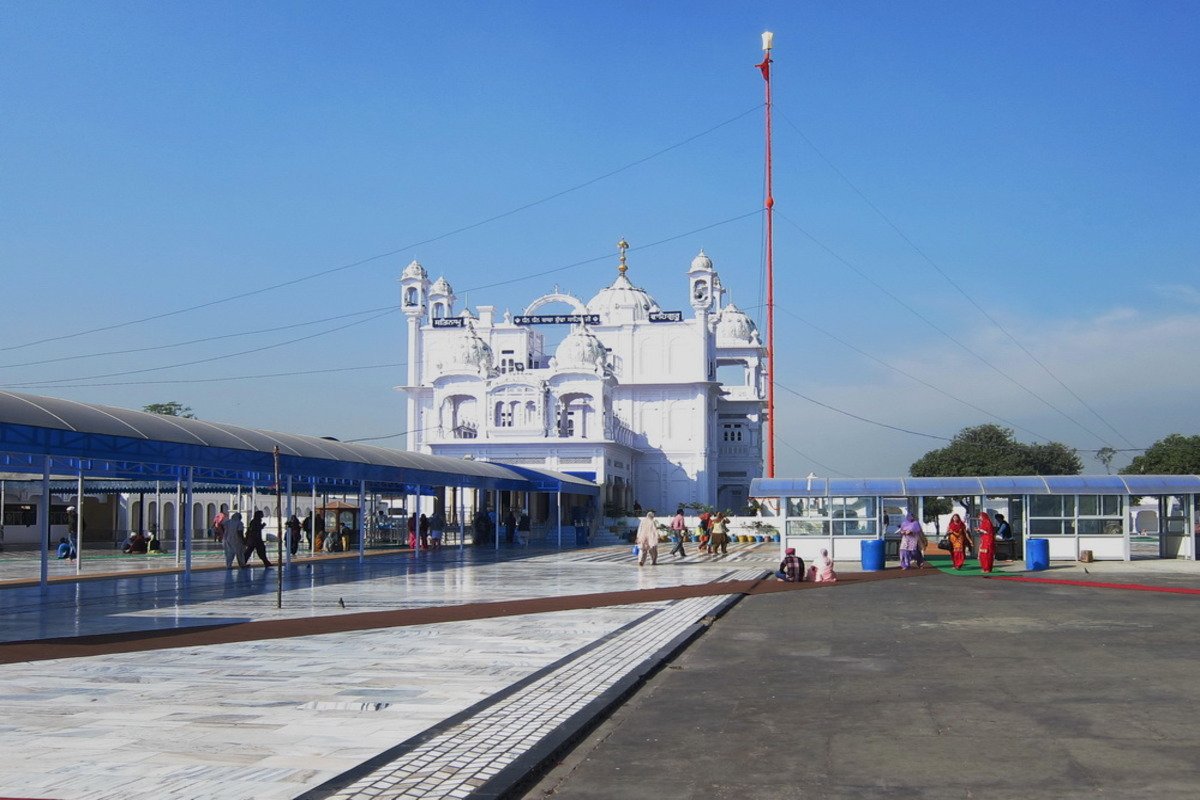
(137, 543)
(64, 548)
(822, 570)
(791, 569)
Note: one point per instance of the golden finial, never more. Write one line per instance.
(622, 246)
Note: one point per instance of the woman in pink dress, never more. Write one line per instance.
(822, 569)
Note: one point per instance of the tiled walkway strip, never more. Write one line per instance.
(464, 758)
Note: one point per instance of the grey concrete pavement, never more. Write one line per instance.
(946, 687)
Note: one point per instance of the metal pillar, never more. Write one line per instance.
(187, 534)
(290, 512)
(558, 515)
(362, 520)
(44, 522)
(79, 522)
(183, 516)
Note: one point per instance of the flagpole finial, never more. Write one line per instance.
(622, 246)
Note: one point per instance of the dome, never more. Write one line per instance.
(414, 270)
(469, 352)
(701, 263)
(440, 287)
(735, 325)
(622, 296)
(581, 349)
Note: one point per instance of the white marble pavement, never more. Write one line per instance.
(276, 718)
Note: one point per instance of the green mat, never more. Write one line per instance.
(970, 566)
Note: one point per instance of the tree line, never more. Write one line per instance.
(994, 450)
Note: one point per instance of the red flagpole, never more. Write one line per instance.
(769, 204)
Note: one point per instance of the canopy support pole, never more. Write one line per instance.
(78, 521)
(462, 518)
(187, 533)
(44, 523)
(362, 520)
(290, 512)
(183, 515)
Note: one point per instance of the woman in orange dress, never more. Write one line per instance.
(987, 542)
(959, 538)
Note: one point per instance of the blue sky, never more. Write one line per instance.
(1041, 156)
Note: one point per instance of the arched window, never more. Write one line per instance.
(504, 414)
(410, 296)
(439, 310)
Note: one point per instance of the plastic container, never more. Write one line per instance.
(872, 555)
(1037, 554)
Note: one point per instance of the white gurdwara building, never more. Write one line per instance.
(659, 407)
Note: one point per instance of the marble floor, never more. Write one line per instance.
(280, 717)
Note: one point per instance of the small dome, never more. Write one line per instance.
(415, 270)
(441, 287)
(701, 263)
(581, 349)
(735, 326)
(622, 296)
(469, 352)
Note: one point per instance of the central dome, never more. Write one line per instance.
(622, 302)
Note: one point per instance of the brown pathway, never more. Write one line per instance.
(141, 641)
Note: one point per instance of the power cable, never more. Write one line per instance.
(254, 350)
(255, 377)
(980, 308)
(384, 311)
(410, 246)
(914, 378)
(608, 255)
(825, 467)
(39, 362)
(389, 435)
(940, 330)
(862, 419)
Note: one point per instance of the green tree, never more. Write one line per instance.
(1105, 456)
(171, 409)
(936, 507)
(1173, 455)
(993, 450)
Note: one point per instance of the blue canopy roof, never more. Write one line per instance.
(104, 441)
(993, 486)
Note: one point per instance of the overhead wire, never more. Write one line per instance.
(945, 276)
(222, 378)
(384, 311)
(203, 340)
(255, 350)
(608, 255)
(802, 454)
(912, 377)
(369, 259)
(389, 435)
(867, 420)
(940, 330)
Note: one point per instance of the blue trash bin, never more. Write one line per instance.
(872, 555)
(1037, 554)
